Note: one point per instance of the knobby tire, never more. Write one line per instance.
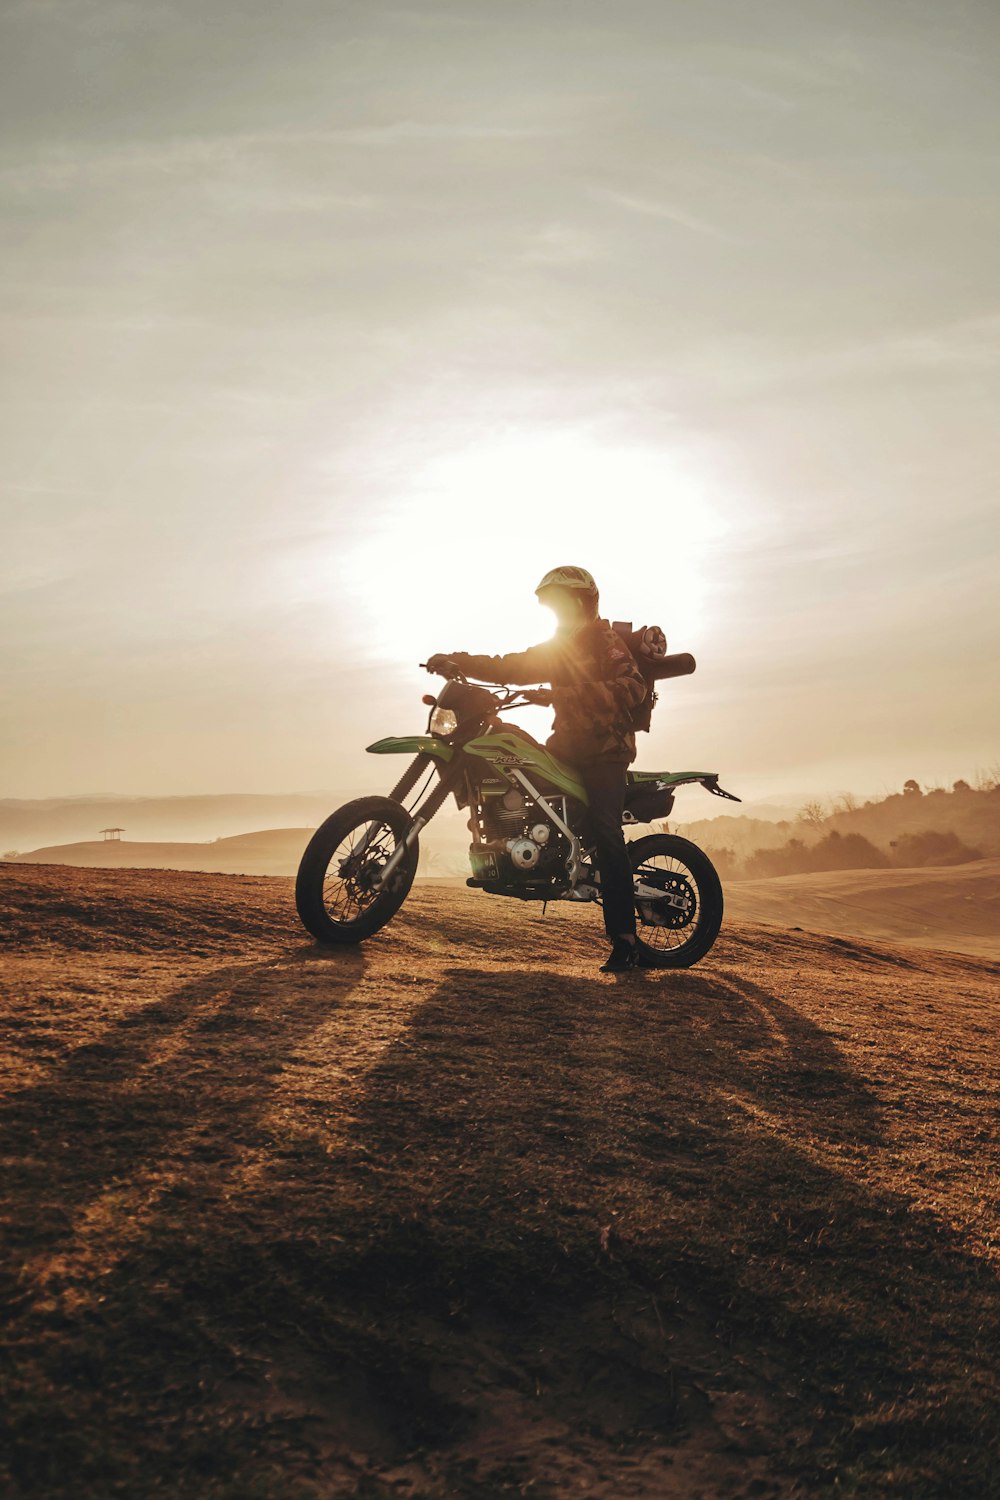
(316, 873)
(708, 887)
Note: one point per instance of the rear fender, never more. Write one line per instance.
(413, 744)
(708, 779)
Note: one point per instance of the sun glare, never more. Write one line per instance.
(452, 563)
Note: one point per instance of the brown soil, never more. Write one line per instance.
(454, 1215)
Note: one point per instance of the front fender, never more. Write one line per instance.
(413, 744)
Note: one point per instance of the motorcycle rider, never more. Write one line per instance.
(595, 686)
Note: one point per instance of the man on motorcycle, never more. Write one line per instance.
(595, 687)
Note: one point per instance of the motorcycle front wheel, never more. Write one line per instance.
(682, 923)
(335, 893)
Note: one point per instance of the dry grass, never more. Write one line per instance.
(452, 1215)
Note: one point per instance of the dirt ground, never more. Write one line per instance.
(454, 1215)
(954, 907)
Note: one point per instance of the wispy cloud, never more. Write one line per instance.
(559, 245)
(414, 130)
(61, 167)
(671, 213)
(967, 343)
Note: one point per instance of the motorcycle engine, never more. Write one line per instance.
(524, 853)
(517, 845)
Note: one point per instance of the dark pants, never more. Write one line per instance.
(605, 785)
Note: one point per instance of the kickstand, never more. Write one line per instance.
(544, 905)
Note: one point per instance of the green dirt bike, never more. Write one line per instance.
(527, 817)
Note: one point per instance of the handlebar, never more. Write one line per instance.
(542, 697)
(448, 669)
(678, 664)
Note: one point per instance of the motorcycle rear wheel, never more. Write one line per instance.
(682, 870)
(333, 887)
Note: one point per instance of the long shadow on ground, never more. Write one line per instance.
(195, 1068)
(551, 1232)
(702, 1145)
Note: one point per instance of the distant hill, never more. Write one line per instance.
(972, 815)
(692, 802)
(956, 908)
(26, 824)
(896, 828)
(273, 851)
(911, 828)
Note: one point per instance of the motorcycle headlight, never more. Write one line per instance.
(444, 721)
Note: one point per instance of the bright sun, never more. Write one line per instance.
(452, 563)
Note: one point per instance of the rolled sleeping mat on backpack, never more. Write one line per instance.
(648, 646)
(680, 664)
(648, 642)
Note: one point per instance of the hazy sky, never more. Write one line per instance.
(329, 327)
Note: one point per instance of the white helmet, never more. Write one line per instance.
(568, 578)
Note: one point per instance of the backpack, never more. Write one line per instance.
(647, 647)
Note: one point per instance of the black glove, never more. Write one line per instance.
(441, 664)
(541, 696)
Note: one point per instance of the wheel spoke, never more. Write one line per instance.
(672, 876)
(337, 889)
(347, 885)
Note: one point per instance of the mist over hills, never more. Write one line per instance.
(909, 827)
(45, 827)
(273, 851)
(27, 823)
(912, 826)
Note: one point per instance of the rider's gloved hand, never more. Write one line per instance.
(441, 664)
(541, 696)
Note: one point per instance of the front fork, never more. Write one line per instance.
(404, 786)
(430, 805)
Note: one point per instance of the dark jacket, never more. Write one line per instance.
(596, 685)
